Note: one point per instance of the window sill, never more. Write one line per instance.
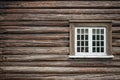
(107, 56)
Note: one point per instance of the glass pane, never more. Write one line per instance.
(86, 43)
(98, 31)
(94, 31)
(82, 49)
(78, 37)
(98, 37)
(82, 37)
(78, 49)
(102, 37)
(94, 50)
(102, 31)
(93, 37)
(86, 37)
(78, 31)
(93, 43)
(102, 43)
(82, 31)
(86, 49)
(102, 49)
(98, 43)
(86, 30)
(98, 49)
(78, 43)
(82, 43)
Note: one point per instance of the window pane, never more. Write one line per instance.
(78, 31)
(94, 49)
(98, 49)
(86, 49)
(82, 31)
(78, 37)
(82, 37)
(86, 43)
(82, 43)
(86, 31)
(102, 43)
(98, 37)
(98, 31)
(86, 37)
(94, 31)
(102, 37)
(98, 43)
(82, 49)
(93, 44)
(102, 49)
(78, 49)
(93, 37)
(78, 43)
(102, 31)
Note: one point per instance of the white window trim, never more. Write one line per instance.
(88, 55)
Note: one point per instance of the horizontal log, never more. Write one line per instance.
(55, 17)
(71, 63)
(26, 29)
(34, 36)
(116, 36)
(35, 50)
(61, 11)
(40, 29)
(33, 43)
(60, 76)
(116, 29)
(60, 4)
(19, 69)
(34, 23)
(44, 57)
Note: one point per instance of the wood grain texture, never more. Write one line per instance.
(34, 43)
(55, 17)
(61, 4)
(60, 11)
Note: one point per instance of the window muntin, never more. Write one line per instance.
(90, 41)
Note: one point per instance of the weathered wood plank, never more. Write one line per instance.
(60, 4)
(34, 36)
(61, 11)
(35, 50)
(33, 43)
(28, 58)
(34, 23)
(57, 70)
(54, 17)
(61, 76)
(116, 35)
(41, 29)
(71, 63)
(26, 29)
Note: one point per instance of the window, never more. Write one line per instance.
(90, 39)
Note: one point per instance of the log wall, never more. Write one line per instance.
(34, 40)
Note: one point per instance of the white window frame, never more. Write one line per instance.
(94, 23)
(90, 53)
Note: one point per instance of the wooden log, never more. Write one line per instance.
(35, 50)
(57, 70)
(116, 35)
(32, 57)
(55, 17)
(34, 23)
(61, 11)
(26, 29)
(16, 58)
(60, 4)
(71, 63)
(93, 76)
(34, 36)
(34, 43)
(116, 50)
(116, 29)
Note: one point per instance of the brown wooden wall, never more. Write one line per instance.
(34, 40)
